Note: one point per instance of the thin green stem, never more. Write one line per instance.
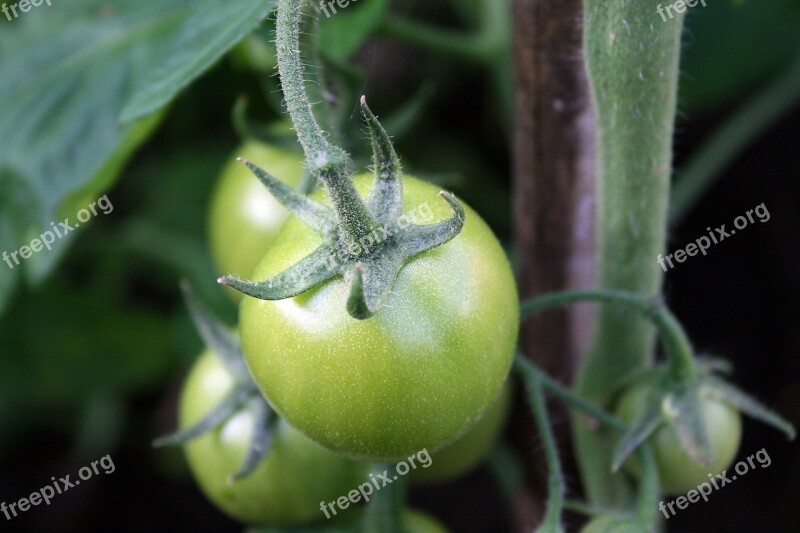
(489, 46)
(676, 343)
(320, 153)
(649, 490)
(384, 512)
(556, 485)
(324, 160)
(527, 368)
(584, 508)
(457, 43)
(647, 498)
(740, 130)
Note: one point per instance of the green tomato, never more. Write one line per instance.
(418, 374)
(470, 449)
(244, 217)
(679, 473)
(287, 486)
(417, 522)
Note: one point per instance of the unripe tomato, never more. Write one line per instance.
(470, 449)
(244, 217)
(287, 486)
(679, 473)
(418, 374)
(417, 522)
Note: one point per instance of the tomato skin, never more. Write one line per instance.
(678, 473)
(417, 522)
(469, 450)
(288, 485)
(415, 376)
(244, 218)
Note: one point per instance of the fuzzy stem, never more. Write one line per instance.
(326, 161)
(632, 57)
(677, 347)
(556, 486)
(647, 498)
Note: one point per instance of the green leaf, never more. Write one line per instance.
(16, 203)
(67, 72)
(344, 30)
(210, 29)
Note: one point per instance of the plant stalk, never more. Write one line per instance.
(632, 58)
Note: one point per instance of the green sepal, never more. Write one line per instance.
(318, 217)
(418, 239)
(356, 222)
(748, 405)
(214, 418)
(319, 266)
(216, 335)
(638, 432)
(243, 396)
(689, 423)
(260, 440)
(386, 197)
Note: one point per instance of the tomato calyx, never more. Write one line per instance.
(679, 403)
(243, 396)
(357, 241)
(367, 242)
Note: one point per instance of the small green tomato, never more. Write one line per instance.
(286, 488)
(679, 473)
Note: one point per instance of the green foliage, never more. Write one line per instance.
(731, 47)
(344, 32)
(70, 73)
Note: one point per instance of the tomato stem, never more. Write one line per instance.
(385, 510)
(556, 486)
(324, 160)
(676, 343)
(535, 379)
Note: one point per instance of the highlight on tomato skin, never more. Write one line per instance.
(244, 218)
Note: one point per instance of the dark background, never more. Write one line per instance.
(91, 361)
